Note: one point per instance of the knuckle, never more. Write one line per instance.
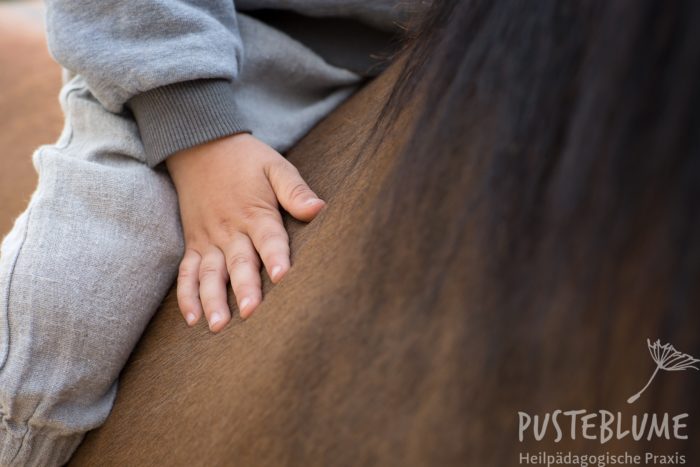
(208, 271)
(187, 268)
(226, 225)
(239, 260)
(272, 236)
(184, 272)
(186, 284)
(191, 239)
(299, 191)
(191, 252)
(254, 213)
(280, 168)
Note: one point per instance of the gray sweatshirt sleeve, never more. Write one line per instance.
(170, 61)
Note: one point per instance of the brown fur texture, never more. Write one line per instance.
(29, 84)
(511, 252)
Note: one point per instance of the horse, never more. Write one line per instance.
(513, 221)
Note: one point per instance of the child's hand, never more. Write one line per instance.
(228, 191)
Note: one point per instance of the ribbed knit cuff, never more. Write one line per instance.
(182, 115)
(37, 448)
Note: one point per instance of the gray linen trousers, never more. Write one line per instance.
(92, 257)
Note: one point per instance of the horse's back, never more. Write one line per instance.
(251, 394)
(29, 84)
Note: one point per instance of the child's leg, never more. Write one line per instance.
(81, 274)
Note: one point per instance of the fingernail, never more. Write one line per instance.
(215, 319)
(244, 304)
(275, 273)
(313, 201)
(190, 318)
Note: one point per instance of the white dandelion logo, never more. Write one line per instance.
(666, 358)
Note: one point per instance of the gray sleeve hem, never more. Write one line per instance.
(182, 115)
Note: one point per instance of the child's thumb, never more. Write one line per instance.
(293, 193)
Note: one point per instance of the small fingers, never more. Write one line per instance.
(213, 278)
(271, 241)
(243, 267)
(293, 193)
(188, 287)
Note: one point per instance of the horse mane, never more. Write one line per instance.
(546, 207)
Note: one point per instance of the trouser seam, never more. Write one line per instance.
(6, 311)
(8, 289)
